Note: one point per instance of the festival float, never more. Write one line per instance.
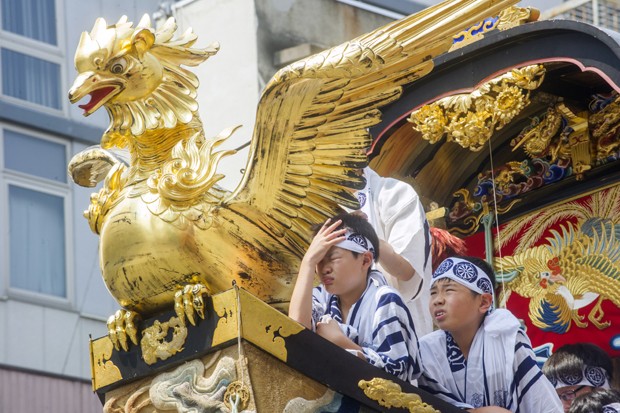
(506, 125)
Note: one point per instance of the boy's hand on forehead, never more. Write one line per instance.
(328, 236)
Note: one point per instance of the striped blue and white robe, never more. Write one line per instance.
(500, 370)
(379, 322)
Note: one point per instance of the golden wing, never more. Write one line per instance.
(91, 166)
(312, 123)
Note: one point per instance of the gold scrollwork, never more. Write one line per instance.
(154, 345)
(603, 124)
(572, 143)
(516, 16)
(472, 221)
(507, 19)
(237, 395)
(107, 197)
(388, 394)
(470, 119)
(103, 370)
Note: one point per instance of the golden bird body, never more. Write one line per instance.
(163, 222)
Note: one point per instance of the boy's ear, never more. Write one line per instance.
(486, 301)
(367, 258)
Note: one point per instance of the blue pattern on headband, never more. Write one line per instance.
(595, 375)
(445, 266)
(466, 271)
(359, 240)
(485, 285)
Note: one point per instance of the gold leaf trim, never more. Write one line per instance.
(470, 119)
(154, 345)
(388, 394)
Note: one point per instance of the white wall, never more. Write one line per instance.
(46, 339)
(229, 87)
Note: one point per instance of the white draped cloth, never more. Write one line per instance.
(396, 213)
(611, 408)
(500, 369)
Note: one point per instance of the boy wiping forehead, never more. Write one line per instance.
(353, 307)
(480, 359)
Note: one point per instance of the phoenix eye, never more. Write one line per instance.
(118, 67)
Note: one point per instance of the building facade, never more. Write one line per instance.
(52, 296)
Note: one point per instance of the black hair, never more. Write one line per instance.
(594, 401)
(358, 225)
(570, 359)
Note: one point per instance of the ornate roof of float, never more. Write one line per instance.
(536, 104)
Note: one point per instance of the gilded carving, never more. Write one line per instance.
(536, 137)
(164, 223)
(516, 16)
(470, 119)
(301, 405)
(197, 385)
(154, 343)
(237, 396)
(564, 135)
(507, 18)
(604, 124)
(469, 213)
(388, 394)
(107, 197)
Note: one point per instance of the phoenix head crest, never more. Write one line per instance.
(136, 74)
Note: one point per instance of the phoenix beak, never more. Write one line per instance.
(101, 90)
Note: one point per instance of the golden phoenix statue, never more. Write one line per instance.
(168, 233)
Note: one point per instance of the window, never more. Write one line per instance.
(32, 79)
(36, 196)
(35, 19)
(30, 56)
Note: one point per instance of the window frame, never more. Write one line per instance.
(46, 186)
(40, 50)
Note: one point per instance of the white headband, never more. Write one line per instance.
(611, 408)
(357, 243)
(464, 273)
(589, 376)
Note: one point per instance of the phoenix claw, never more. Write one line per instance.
(189, 302)
(122, 325)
